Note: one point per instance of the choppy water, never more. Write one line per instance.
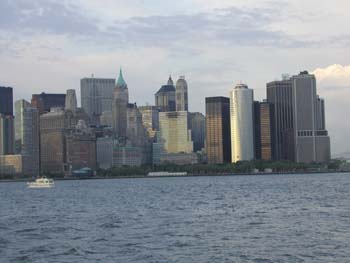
(282, 218)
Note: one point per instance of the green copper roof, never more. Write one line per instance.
(121, 82)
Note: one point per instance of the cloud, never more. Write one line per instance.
(44, 16)
(335, 74)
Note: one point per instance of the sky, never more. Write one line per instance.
(49, 45)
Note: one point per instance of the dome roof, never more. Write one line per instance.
(166, 88)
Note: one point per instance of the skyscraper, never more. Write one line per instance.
(242, 135)
(96, 96)
(150, 119)
(181, 94)
(44, 102)
(218, 135)
(121, 89)
(279, 94)
(301, 135)
(197, 127)
(6, 121)
(312, 143)
(7, 134)
(174, 133)
(27, 136)
(6, 101)
(71, 100)
(120, 108)
(264, 131)
(165, 97)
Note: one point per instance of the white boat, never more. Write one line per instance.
(159, 174)
(41, 182)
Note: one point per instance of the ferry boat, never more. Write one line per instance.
(41, 182)
(159, 174)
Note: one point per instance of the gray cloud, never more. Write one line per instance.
(44, 16)
(231, 27)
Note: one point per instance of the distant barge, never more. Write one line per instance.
(160, 174)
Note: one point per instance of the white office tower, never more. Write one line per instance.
(71, 100)
(242, 133)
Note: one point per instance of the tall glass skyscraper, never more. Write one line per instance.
(6, 101)
(218, 134)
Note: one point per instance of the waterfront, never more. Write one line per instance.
(263, 218)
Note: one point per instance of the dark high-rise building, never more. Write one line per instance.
(165, 97)
(197, 127)
(299, 119)
(264, 131)
(44, 102)
(218, 134)
(280, 95)
(7, 134)
(257, 132)
(27, 136)
(6, 101)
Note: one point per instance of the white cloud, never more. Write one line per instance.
(335, 74)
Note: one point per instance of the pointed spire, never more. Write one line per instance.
(121, 82)
(170, 81)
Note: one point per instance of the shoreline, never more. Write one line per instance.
(170, 176)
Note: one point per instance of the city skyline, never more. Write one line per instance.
(215, 45)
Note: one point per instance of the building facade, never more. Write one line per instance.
(312, 143)
(242, 133)
(218, 131)
(150, 120)
(7, 134)
(165, 97)
(96, 96)
(279, 94)
(80, 146)
(197, 127)
(174, 132)
(181, 93)
(264, 131)
(44, 101)
(120, 108)
(6, 101)
(300, 129)
(6, 121)
(52, 139)
(71, 100)
(27, 140)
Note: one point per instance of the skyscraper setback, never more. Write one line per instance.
(165, 97)
(299, 119)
